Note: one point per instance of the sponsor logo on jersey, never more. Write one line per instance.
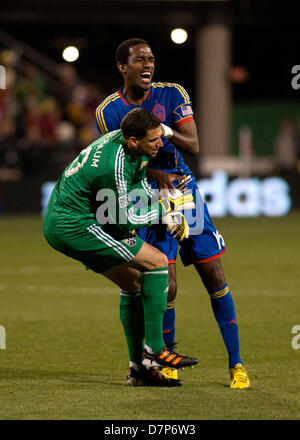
(160, 112)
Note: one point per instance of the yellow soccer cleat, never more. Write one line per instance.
(238, 377)
(169, 373)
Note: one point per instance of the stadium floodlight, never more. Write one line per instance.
(70, 54)
(179, 35)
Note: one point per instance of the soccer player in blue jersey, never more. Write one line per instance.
(172, 105)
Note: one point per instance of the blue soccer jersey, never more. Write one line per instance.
(169, 102)
(172, 105)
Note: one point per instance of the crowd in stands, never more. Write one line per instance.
(44, 120)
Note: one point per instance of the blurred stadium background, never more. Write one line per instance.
(236, 64)
(239, 64)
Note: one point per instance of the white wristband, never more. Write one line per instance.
(168, 132)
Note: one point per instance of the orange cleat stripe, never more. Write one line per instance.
(170, 357)
(164, 354)
(176, 361)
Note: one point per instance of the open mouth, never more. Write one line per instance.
(146, 77)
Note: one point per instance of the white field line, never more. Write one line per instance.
(32, 288)
(35, 270)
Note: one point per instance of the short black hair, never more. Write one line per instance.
(137, 122)
(122, 53)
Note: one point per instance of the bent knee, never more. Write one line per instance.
(212, 274)
(161, 260)
(150, 258)
(157, 259)
(130, 285)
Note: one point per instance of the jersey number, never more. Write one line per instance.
(78, 163)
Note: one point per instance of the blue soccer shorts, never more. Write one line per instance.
(204, 244)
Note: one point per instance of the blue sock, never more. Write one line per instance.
(169, 325)
(223, 308)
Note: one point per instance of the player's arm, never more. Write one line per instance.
(185, 139)
(137, 203)
(149, 207)
(164, 180)
(168, 208)
(137, 209)
(184, 136)
(143, 185)
(183, 132)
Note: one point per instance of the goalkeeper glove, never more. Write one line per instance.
(175, 200)
(176, 225)
(181, 200)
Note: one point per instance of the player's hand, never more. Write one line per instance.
(175, 200)
(164, 180)
(177, 225)
(183, 183)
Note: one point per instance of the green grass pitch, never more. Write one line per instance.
(66, 358)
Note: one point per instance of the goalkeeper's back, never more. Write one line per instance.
(92, 170)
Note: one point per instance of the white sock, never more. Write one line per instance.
(149, 349)
(133, 365)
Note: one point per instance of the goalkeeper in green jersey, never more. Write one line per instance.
(91, 217)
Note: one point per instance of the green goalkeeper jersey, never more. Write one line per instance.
(101, 184)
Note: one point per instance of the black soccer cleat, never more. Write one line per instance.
(151, 378)
(132, 377)
(167, 358)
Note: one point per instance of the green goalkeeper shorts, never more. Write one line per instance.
(91, 244)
